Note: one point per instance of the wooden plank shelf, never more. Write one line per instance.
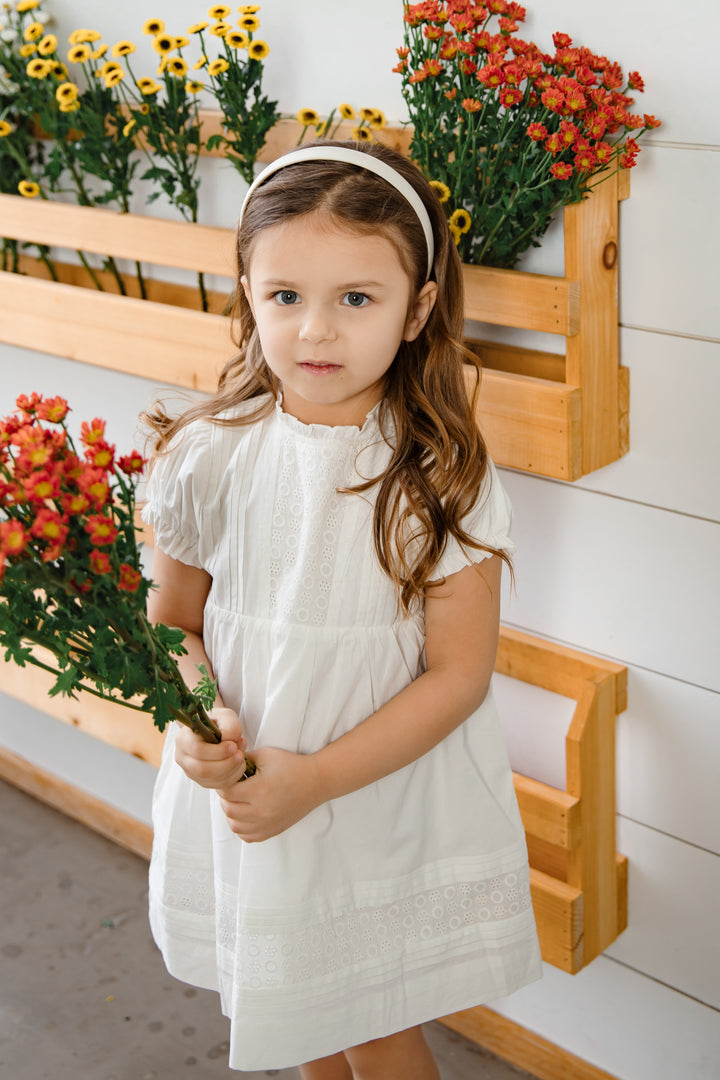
(559, 415)
(578, 882)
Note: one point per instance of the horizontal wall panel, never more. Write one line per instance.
(622, 1021)
(617, 578)
(674, 434)
(670, 224)
(673, 891)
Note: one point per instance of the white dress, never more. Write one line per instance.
(401, 902)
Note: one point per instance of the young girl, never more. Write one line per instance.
(330, 534)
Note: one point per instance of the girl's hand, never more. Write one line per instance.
(213, 765)
(282, 791)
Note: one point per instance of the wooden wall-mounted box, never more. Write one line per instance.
(560, 415)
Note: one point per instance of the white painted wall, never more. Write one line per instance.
(623, 563)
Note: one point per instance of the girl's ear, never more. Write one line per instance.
(420, 313)
(246, 289)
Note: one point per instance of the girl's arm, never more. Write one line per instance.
(179, 600)
(462, 620)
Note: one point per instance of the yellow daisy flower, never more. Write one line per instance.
(108, 66)
(122, 48)
(377, 120)
(346, 111)
(361, 134)
(163, 43)
(219, 11)
(455, 233)
(26, 5)
(249, 22)
(38, 69)
(181, 42)
(69, 106)
(200, 63)
(47, 45)
(236, 39)
(129, 126)
(461, 220)
(29, 49)
(177, 66)
(148, 86)
(66, 92)
(113, 78)
(193, 87)
(79, 36)
(366, 114)
(28, 188)
(5, 128)
(59, 70)
(33, 31)
(220, 29)
(443, 191)
(197, 27)
(249, 9)
(258, 50)
(144, 109)
(218, 66)
(99, 52)
(153, 26)
(306, 117)
(161, 66)
(79, 54)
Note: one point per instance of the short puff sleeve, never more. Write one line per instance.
(489, 521)
(177, 493)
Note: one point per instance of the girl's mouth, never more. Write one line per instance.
(319, 369)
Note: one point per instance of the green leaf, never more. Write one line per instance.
(205, 688)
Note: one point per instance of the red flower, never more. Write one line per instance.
(449, 49)
(585, 159)
(568, 133)
(100, 562)
(53, 409)
(553, 100)
(28, 405)
(93, 483)
(537, 132)
(651, 121)
(471, 104)
(403, 52)
(462, 22)
(77, 503)
(595, 125)
(603, 152)
(50, 526)
(433, 33)
(510, 95)
(132, 463)
(450, 94)
(101, 529)
(13, 538)
(554, 143)
(585, 75)
(561, 41)
(635, 81)
(561, 170)
(612, 77)
(468, 67)
(627, 161)
(129, 578)
(574, 97)
(40, 486)
(101, 454)
(469, 48)
(491, 75)
(92, 432)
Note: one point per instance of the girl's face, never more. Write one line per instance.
(331, 308)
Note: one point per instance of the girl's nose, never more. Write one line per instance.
(316, 327)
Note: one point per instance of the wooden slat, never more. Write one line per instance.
(284, 136)
(526, 301)
(558, 909)
(591, 239)
(531, 424)
(135, 336)
(203, 248)
(107, 820)
(533, 362)
(521, 1047)
(548, 813)
(555, 667)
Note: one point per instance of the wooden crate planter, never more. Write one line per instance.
(578, 882)
(560, 415)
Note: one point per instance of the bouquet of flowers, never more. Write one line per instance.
(72, 592)
(505, 132)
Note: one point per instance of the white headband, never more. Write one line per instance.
(364, 161)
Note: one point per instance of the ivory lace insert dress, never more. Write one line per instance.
(401, 902)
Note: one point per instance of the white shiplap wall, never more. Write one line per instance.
(624, 563)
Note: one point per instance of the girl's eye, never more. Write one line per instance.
(356, 299)
(286, 297)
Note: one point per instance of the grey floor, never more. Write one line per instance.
(84, 994)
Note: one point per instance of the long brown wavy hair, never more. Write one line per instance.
(439, 459)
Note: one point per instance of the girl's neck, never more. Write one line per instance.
(351, 412)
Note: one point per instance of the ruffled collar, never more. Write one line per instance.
(370, 426)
